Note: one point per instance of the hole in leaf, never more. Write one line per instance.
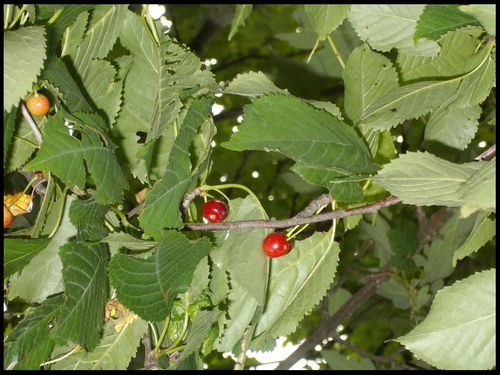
(142, 137)
(76, 134)
(393, 109)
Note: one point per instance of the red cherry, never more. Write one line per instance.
(215, 211)
(276, 244)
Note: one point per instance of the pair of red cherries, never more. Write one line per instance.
(274, 245)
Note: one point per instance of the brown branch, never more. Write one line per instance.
(149, 355)
(488, 154)
(340, 282)
(337, 214)
(428, 228)
(315, 205)
(328, 326)
(188, 198)
(135, 210)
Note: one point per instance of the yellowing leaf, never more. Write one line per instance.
(118, 314)
(19, 203)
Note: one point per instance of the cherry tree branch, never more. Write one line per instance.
(488, 154)
(297, 220)
(315, 205)
(328, 326)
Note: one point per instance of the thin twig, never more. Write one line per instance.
(149, 355)
(315, 205)
(134, 210)
(488, 154)
(337, 214)
(336, 52)
(188, 198)
(240, 364)
(32, 124)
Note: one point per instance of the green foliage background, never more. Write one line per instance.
(407, 102)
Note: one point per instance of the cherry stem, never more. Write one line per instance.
(237, 186)
(32, 124)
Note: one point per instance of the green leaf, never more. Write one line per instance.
(327, 106)
(479, 191)
(88, 217)
(397, 292)
(482, 232)
(476, 85)
(22, 146)
(298, 282)
(199, 331)
(437, 20)
(86, 291)
(241, 310)
(73, 35)
(201, 278)
(64, 20)
(149, 286)
(385, 27)
(416, 99)
(453, 126)
(440, 252)
(344, 187)
(29, 344)
(368, 76)
(326, 18)
(219, 283)
(193, 362)
(337, 361)
(60, 153)
(57, 73)
(459, 331)
(423, 179)
(159, 79)
(161, 207)
(42, 276)
(9, 127)
(114, 351)
(378, 232)
(24, 53)
(105, 24)
(404, 242)
(484, 13)
(337, 300)
(51, 219)
(63, 155)
(103, 89)
(406, 102)
(117, 240)
(457, 57)
(292, 127)
(246, 262)
(19, 251)
(252, 84)
(243, 11)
